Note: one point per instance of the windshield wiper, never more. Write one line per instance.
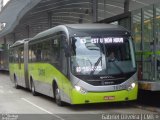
(95, 65)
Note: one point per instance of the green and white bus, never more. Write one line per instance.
(77, 64)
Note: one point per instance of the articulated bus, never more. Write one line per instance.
(77, 64)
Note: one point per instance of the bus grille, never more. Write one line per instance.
(105, 82)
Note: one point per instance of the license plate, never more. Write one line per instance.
(109, 97)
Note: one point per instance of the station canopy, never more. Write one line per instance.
(13, 12)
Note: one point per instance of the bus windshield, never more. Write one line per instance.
(102, 55)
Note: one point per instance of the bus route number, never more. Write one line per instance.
(120, 87)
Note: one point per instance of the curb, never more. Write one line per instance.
(149, 108)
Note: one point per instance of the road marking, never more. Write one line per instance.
(36, 106)
(1, 91)
(42, 108)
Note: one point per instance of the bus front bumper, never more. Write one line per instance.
(100, 97)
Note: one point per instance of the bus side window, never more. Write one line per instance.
(11, 56)
(63, 56)
(20, 56)
(55, 52)
(45, 51)
(39, 52)
(32, 53)
(16, 56)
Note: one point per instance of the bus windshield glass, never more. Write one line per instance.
(102, 55)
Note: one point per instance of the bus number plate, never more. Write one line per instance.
(109, 97)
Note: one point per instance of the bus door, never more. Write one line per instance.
(64, 68)
(148, 45)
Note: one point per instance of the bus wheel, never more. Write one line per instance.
(57, 96)
(15, 83)
(34, 93)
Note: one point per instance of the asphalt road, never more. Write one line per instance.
(20, 104)
(149, 98)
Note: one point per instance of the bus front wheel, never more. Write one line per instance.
(57, 96)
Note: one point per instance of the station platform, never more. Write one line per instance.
(149, 85)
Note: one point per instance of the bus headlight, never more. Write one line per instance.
(80, 89)
(132, 86)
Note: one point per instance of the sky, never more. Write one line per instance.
(4, 2)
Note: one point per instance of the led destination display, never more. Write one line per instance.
(103, 40)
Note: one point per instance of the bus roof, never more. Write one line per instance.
(72, 29)
(19, 42)
(95, 26)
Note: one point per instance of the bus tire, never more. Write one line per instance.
(57, 95)
(16, 83)
(33, 90)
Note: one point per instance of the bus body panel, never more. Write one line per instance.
(17, 73)
(51, 74)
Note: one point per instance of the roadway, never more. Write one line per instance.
(21, 102)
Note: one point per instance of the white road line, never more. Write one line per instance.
(42, 108)
(1, 91)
